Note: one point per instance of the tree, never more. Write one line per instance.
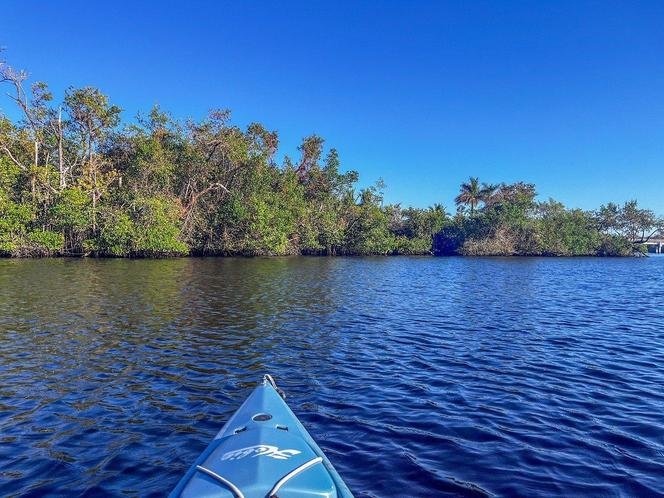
(311, 151)
(608, 218)
(638, 225)
(74, 181)
(472, 193)
(26, 145)
(92, 118)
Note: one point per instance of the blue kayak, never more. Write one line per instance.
(263, 451)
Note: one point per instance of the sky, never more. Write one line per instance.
(566, 95)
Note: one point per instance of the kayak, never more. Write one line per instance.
(263, 451)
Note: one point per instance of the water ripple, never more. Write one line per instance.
(418, 376)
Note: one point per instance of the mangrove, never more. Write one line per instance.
(75, 180)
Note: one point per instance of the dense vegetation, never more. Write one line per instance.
(507, 220)
(75, 181)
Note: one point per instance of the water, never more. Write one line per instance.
(417, 376)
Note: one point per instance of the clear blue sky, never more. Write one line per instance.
(567, 95)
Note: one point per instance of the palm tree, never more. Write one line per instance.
(439, 209)
(471, 194)
(489, 193)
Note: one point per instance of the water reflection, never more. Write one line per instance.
(441, 376)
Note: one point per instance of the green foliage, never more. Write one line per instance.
(274, 215)
(15, 215)
(72, 210)
(46, 243)
(157, 228)
(614, 245)
(417, 246)
(71, 214)
(565, 232)
(117, 233)
(73, 181)
(90, 110)
(512, 223)
(14, 221)
(369, 231)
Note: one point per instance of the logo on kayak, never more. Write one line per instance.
(260, 450)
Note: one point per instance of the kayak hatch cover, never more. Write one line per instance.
(263, 451)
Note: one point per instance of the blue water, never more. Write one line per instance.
(417, 376)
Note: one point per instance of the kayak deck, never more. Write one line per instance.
(261, 451)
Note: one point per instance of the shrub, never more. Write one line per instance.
(45, 243)
(157, 228)
(116, 234)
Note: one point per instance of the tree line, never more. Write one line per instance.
(75, 180)
(506, 219)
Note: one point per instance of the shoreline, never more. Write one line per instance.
(636, 255)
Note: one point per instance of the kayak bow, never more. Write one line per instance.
(261, 451)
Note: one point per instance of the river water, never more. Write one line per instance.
(417, 376)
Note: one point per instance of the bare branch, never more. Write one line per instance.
(6, 150)
(198, 195)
